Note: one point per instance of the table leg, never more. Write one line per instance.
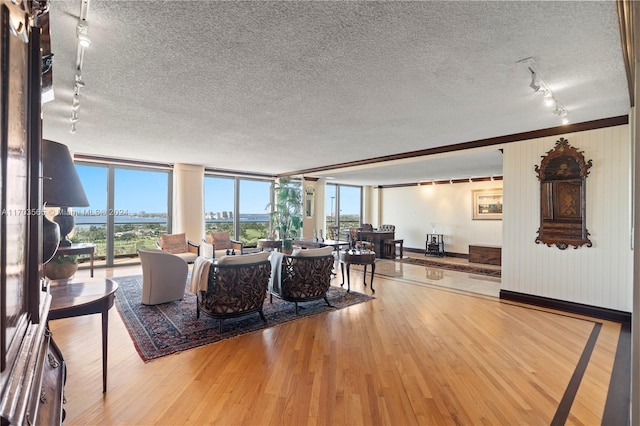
(364, 276)
(348, 277)
(105, 330)
(91, 261)
(342, 269)
(373, 270)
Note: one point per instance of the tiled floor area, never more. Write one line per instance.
(421, 275)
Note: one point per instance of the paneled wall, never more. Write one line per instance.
(450, 206)
(600, 275)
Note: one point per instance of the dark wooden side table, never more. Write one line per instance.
(357, 257)
(75, 298)
(310, 244)
(78, 248)
(265, 243)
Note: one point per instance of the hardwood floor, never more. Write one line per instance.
(419, 353)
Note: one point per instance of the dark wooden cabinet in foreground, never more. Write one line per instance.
(32, 368)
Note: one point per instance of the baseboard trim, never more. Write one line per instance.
(572, 307)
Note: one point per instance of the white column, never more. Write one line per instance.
(188, 201)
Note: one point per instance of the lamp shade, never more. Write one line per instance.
(61, 185)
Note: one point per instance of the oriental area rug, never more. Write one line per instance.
(460, 267)
(168, 328)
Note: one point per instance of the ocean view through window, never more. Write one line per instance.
(128, 214)
(238, 206)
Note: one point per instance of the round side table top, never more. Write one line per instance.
(67, 294)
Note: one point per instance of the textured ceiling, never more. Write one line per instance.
(274, 87)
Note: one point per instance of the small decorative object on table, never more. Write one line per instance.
(434, 245)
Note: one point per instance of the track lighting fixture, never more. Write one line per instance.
(82, 32)
(540, 86)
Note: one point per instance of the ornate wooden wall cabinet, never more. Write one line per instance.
(563, 176)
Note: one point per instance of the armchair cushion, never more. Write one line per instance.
(222, 242)
(244, 259)
(179, 245)
(174, 243)
(324, 251)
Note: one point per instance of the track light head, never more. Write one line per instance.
(534, 81)
(82, 31)
(548, 99)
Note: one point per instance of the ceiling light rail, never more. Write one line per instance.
(82, 33)
(540, 86)
(441, 182)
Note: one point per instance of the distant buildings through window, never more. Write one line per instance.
(343, 206)
(130, 206)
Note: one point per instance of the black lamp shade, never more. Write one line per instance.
(61, 185)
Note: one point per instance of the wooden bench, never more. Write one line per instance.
(489, 255)
(389, 247)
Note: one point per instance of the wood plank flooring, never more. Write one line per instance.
(418, 354)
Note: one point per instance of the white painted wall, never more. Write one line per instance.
(449, 206)
(598, 276)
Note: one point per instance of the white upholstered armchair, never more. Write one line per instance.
(164, 276)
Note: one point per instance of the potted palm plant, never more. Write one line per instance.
(286, 211)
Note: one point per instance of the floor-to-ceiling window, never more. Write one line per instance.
(141, 201)
(129, 208)
(254, 197)
(219, 204)
(343, 206)
(91, 221)
(239, 206)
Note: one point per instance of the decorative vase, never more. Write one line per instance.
(56, 270)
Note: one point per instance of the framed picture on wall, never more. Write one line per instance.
(487, 204)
